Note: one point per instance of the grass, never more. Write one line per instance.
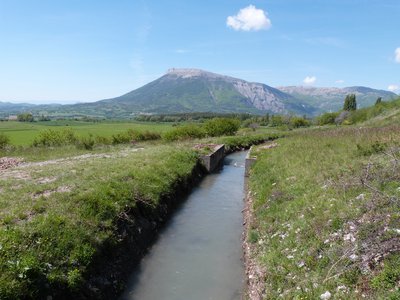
(55, 217)
(59, 211)
(326, 214)
(23, 134)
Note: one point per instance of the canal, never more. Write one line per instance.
(199, 253)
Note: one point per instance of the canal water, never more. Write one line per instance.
(199, 254)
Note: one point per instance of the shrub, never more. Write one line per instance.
(51, 138)
(143, 136)
(376, 147)
(276, 121)
(121, 138)
(389, 276)
(25, 117)
(342, 118)
(327, 118)
(221, 126)
(297, 122)
(85, 142)
(102, 140)
(185, 132)
(4, 141)
(132, 135)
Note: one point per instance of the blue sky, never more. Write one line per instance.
(72, 50)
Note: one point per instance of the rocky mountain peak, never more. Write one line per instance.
(188, 73)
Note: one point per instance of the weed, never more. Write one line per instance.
(4, 141)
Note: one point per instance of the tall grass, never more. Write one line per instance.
(325, 213)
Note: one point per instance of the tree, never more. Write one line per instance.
(276, 120)
(378, 101)
(25, 117)
(350, 103)
(221, 126)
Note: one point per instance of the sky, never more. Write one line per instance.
(67, 51)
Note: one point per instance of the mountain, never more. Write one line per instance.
(331, 99)
(193, 90)
(7, 108)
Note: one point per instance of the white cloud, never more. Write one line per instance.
(393, 88)
(340, 81)
(310, 80)
(249, 18)
(397, 55)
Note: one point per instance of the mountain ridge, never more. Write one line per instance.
(184, 90)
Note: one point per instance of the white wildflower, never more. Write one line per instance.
(341, 288)
(353, 257)
(325, 296)
(360, 197)
(349, 237)
(301, 264)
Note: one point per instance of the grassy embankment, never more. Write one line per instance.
(326, 215)
(56, 217)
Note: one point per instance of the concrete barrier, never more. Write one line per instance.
(214, 159)
(250, 160)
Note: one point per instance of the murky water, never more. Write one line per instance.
(199, 254)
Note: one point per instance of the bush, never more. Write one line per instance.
(102, 140)
(85, 142)
(4, 141)
(327, 118)
(185, 132)
(132, 135)
(221, 126)
(276, 121)
(25, 117)
(51, 138)
(297, 122)
(121, 138)
(143, 136)
(342, 118)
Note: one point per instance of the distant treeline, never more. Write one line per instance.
(194, 116)
(247, 120)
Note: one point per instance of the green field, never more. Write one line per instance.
(23, 134)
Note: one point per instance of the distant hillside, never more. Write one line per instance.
(7, 108)
(193, 90)
(331, 99)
